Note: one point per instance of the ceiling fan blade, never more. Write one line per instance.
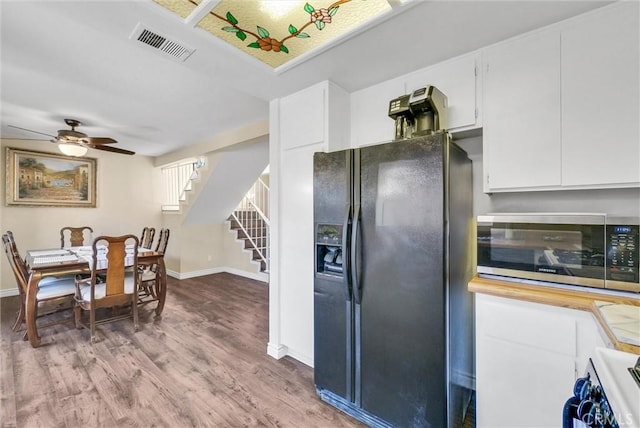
(98, 140)
(30, 130)
(111, 149)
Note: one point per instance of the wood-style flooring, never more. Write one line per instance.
(204, 363)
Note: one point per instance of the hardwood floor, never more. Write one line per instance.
(203, 364)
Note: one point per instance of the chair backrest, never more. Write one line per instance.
(161, 246)
(120, 254)
(76, 235)
(12, 241)
(163, 240)
(146, 238)
(16, 262)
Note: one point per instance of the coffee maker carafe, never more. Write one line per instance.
(429, 108)
(400, 112)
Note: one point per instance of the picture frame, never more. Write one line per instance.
(48, 179)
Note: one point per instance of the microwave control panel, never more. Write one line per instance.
(622, 252)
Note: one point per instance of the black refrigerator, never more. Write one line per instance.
(393, 320)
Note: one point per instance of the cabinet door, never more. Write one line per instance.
(296, 250)
(521, 113)
(525, 362)
(528, 387)
(457, 80)
(302, 117)
(600, 89)
(370, 121)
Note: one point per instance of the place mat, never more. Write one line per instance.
(57, 252)
(40, 260)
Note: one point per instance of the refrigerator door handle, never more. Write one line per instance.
(346, 254)
(355, 252)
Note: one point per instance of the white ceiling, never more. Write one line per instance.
(74, 59)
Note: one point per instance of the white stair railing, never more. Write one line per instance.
(176, 181)
(252, 216)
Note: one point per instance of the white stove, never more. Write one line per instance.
(607, 396)
(621, 389)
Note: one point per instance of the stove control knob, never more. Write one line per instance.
(588, 413)
(581, 388)
(596, 394)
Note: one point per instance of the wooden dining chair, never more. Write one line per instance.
(116, 257)
(43, 281)
(148, 273)
(54, 294)
(76, 235)
(146, 238)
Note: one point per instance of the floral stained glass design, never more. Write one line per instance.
(279, 31)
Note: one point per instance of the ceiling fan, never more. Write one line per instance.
(75, 143)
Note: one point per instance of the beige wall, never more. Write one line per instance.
(202, 249)
(128, 189)
(128, 198)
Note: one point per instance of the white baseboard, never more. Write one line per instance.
(194, 273)
(303, 358)
(276, 351)
(280, 351)
(9, 292)
(258, 276)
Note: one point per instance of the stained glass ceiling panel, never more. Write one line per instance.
(279, 31)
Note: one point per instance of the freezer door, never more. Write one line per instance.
(400, 263)
(333, 359)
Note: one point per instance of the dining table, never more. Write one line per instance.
(73, 261)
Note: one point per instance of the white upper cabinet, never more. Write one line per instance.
(457, 79)
(318, 114)
(561, 105)
(521, 112)
(302, 118)
(370, 121)
(600, 114)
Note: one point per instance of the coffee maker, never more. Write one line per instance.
(422, 112)
(400, 112)
(429, 108)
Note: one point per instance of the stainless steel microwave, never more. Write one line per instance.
(592, 250)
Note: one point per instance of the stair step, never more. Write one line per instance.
(256, 230)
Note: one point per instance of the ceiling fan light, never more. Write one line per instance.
(72, 149)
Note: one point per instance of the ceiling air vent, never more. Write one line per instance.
(171, 48)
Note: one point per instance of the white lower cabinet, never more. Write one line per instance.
(528, 356)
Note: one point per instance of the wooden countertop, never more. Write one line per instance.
(581, 299)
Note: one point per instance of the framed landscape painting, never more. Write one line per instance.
(48, 179)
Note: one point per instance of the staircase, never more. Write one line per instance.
(177, 182)
(251, 223)
(251, 228)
